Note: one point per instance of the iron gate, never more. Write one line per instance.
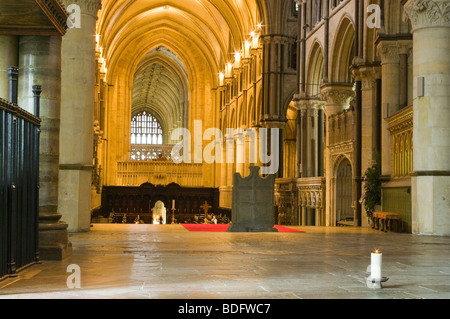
(19, 186)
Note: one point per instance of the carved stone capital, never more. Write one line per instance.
(389, 52)
(309, 104)
(369, 76)
(337, 97)
(427, 13)
(271, 124)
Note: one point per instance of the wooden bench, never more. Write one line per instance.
(385, 221)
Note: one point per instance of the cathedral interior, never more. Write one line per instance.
(116, 113)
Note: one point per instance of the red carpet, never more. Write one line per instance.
(224, 227)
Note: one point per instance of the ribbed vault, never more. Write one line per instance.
(161, 88)
(165, 56)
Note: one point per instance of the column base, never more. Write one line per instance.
(55, 252)
(54, 241)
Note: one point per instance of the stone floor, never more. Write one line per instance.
(169, 262)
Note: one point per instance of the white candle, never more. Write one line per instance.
(375, 266)
(173, 203)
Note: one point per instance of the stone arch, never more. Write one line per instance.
(343, 52)
(343, 176)
(315, 70)
(199, 33)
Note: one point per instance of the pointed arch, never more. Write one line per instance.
(315, 70)
(343, 52)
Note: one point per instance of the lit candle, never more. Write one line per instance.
(221, 77)
(375, 265)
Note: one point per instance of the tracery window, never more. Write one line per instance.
(146, 130)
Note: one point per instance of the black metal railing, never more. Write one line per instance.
(19, 182)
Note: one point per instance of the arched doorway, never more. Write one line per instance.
(343, 198)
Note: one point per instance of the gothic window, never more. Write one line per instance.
(146, 130)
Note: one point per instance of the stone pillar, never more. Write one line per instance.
(390, 70)
(311, 119)
(309, 136)
(369, 124)
(8, 58)
(309, 144)
(278, 162)
(301, 133)
(337, 98)
(303, 215)
(40, 64)
(431, 177)
(321, 141)
(77, 118)
(298, 142)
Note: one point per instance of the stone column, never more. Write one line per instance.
(337, 98)
(311, 120)
(77, 118)
(300, 134)
(40, 64)
(369, 124)
(390, 70)
(320, 141)
(431, 177)
(8, 58)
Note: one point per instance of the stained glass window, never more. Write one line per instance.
(146, 130)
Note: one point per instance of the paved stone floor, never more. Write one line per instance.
(169, 262)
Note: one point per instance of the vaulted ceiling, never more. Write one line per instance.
(161, 88)
(215, 25)
(170, 51)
